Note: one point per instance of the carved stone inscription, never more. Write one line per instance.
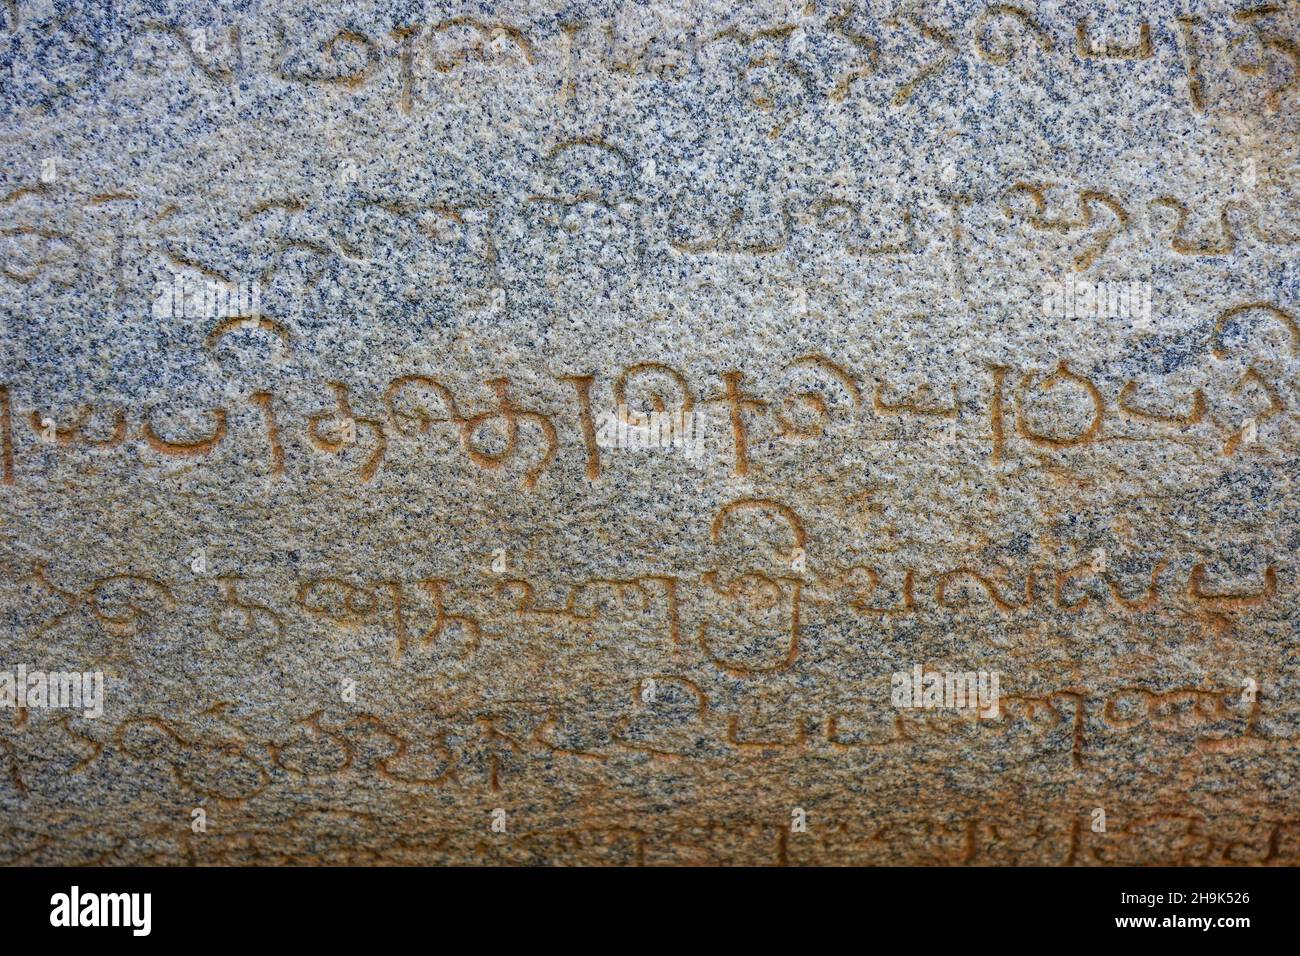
(650, 433)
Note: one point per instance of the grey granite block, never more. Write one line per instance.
(632, 432)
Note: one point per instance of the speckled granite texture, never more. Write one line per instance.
(316, 320)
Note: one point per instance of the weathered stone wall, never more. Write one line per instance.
(328, 330)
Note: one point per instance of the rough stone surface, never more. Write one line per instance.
(362, 581)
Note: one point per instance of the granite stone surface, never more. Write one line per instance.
(632, 432)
